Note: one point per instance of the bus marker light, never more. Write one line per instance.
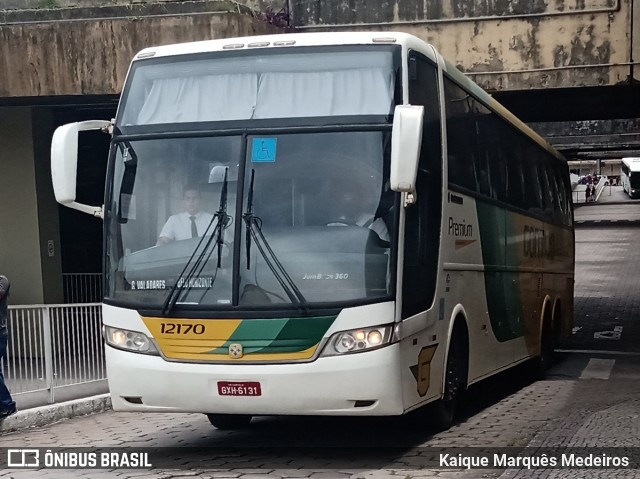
(384, 40)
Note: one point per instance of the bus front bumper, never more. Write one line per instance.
(366, 383)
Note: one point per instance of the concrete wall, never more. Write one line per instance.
(20, 258)
(75, 52)
(50, 249)
(597, 139)
(49, 4)
(503, 44)
(57, 54)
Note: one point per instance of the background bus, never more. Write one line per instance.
(379, 233)
(630, 176)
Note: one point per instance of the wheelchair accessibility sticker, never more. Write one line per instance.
(264, 150)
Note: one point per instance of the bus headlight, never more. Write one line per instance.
(358, 340)
(129, 340)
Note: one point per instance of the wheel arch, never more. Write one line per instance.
(546, 316)
(458, 325)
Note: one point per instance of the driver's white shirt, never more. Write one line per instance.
(377, 225)
(178, 227)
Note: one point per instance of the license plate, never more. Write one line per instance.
(239, 388)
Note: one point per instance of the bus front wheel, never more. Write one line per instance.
(443, 411)
(229, 421)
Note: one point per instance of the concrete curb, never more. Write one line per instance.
(602, 203)
(45, 415)
(579, 223)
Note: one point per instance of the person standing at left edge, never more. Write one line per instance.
(7, 404)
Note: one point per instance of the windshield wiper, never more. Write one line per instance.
(223, 217)
(198, 266)
(178, 286)
(254, 231)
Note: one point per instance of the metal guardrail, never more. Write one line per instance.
(579, 194)
(82, 287)
(55, 353)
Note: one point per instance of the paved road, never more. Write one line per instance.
(591, 398)
(614, 207)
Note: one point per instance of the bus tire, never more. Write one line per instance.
(545, 359)
(229, 421)
(443, 412)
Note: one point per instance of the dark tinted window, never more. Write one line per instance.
(423, 219)
(492, 158)
(462, 136)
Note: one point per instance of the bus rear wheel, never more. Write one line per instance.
(542, 363)
(229, 421)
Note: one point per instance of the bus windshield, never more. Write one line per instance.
(297, 219)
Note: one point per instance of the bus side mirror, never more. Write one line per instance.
(64, 163)
(406, 139)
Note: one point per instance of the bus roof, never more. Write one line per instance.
(283, 40)
(632, 162)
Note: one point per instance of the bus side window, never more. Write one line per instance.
(461, 137)
(532, 186)
(488, 170)
(422, 225)
(551, 195)
(515, 193)
(554, 172)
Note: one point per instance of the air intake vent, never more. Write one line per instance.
(539, 285)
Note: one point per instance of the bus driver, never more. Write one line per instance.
(351, 208)
(191, 223)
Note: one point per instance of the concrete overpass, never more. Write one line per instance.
(569, 68)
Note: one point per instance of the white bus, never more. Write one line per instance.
(379, 233)
(630, 176)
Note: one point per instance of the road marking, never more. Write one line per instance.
(616, 334)
(598, 369)
(576, 329)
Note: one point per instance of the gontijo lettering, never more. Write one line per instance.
(537, 244)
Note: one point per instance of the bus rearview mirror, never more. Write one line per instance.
(64, 163)
(406, 140)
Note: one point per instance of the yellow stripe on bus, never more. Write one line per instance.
(306, 354)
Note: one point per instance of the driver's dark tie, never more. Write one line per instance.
(194, 229)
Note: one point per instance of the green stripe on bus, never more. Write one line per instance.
(288, 335)
(503, 301)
